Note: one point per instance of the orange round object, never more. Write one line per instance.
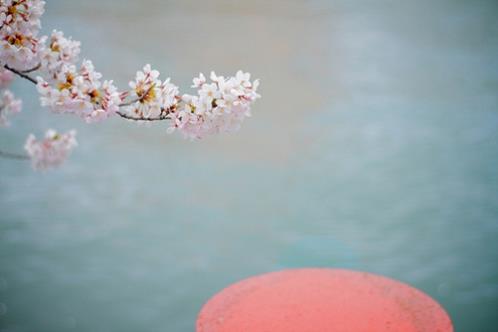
(321, 300)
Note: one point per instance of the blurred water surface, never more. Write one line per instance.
(374, 147)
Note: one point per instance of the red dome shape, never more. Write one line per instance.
(321, 300)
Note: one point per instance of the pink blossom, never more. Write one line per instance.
(51, 151)
(8, 105)
(19, 26)
(19, 50)
(6, 77)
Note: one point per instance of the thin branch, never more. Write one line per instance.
(20, 73)
(131, 117)
(128, 103)
(11, 155)
(35, 68)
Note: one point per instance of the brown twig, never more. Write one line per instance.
(11, 155)
(22, 74)
(128, 103)
(131, 117)
(35, 68)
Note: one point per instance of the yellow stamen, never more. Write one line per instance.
(55, 47)
(16, 39)
(146, 96)
(68, 84)
(95, 96)
(12, 10)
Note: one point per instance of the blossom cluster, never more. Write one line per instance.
(19, 27)
(50, 151)
(80, 92)
(153, 98)
(8, 103)
(58, 52)
(219, 106)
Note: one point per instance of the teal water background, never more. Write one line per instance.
(374, 147)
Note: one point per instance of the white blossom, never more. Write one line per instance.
(8, 105)
(209, 92)
(199, 81)
(59, 52)
(51, 151)
(153, 97)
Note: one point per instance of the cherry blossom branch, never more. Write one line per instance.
(130, 117)
(9, 104)
(24, 75)
(142, 118)
(129, 103)
(35, 68)
(11, 155)
(21, 74)
(66, 87)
